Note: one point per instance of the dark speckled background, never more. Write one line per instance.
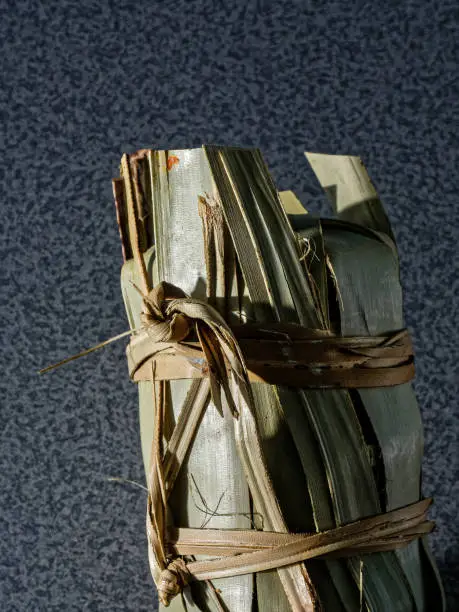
(82, 82)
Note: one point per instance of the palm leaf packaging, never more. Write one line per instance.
(281, 437)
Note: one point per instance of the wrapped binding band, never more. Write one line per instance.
(281, 354)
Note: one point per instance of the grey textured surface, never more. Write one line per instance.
(82, 82)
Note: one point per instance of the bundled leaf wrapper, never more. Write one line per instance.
(273, 371)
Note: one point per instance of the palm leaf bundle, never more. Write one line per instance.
(306, 456)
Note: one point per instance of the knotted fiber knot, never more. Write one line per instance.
(171, 315)
(173, 580)
(162, 319)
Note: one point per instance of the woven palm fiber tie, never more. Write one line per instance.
(170, 316)
(280, 354)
